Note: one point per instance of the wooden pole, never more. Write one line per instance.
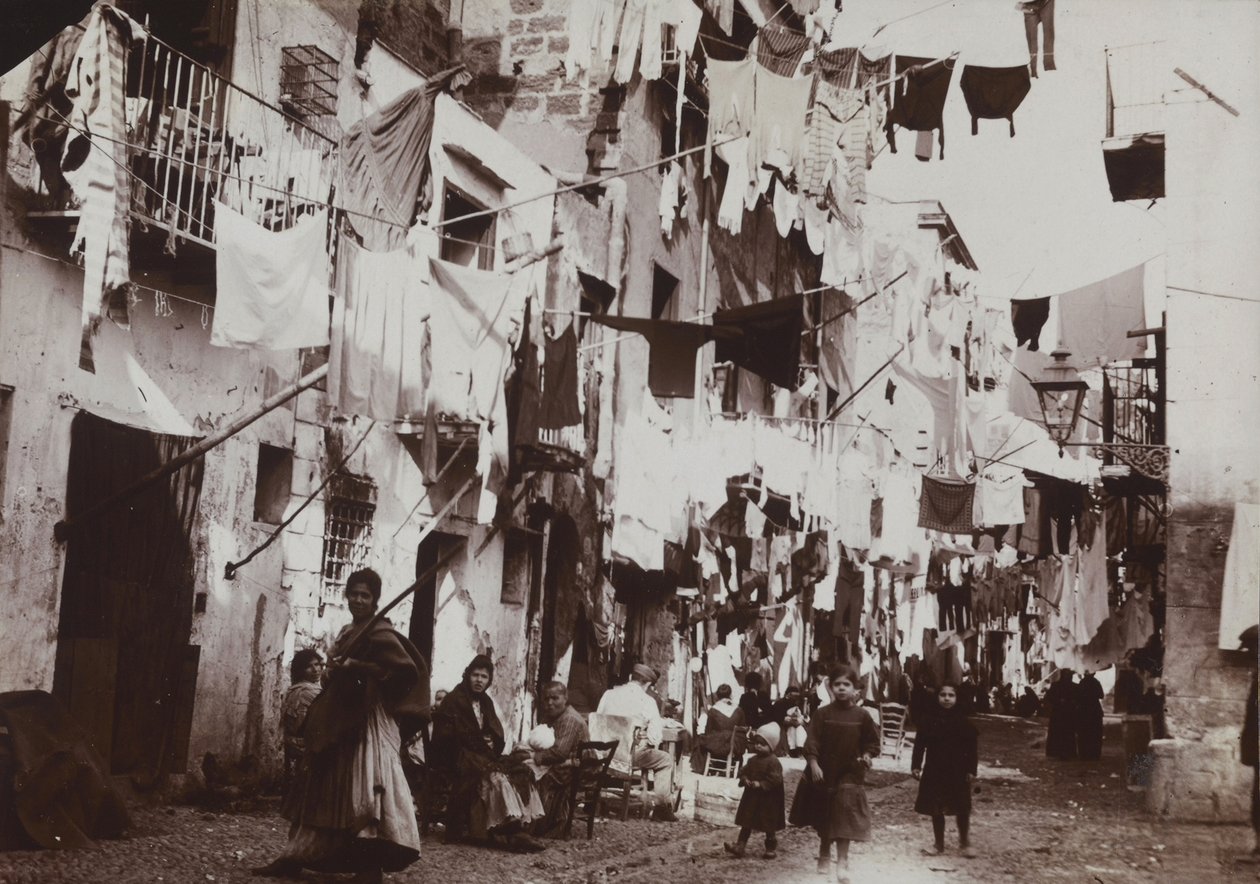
(61, 531)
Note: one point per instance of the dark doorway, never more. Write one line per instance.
(560, 602)
(124, 667)
(424, 602)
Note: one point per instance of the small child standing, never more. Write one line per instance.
(948, 742)
(841, 742)
(761, 805)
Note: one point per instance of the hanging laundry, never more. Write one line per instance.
(731, 93)
(993, 93)
(779, 49)
(804, 7)
(919, 100)
(1028, 318)
(1039, 13)
(1240, 590)
(475, 312)
(380, 333)
(685, 16)
(1000, 496)
(837, 356)
(874, 71)
(945, 505)
(524, 397)
(95, 165)
(828, 121)
(1094, 320)
(1137, 625)
(1091, 608)
(672, 363)
(582, 22)
(723, 11)
(671, 198)
(768, 342)
(385, 163)
(777, 132)
(559, 407)
(640, 38)
(272, 287)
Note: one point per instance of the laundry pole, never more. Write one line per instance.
(61, 531)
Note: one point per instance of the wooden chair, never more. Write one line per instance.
(728, 765)
(892, 728)
(590, 770)
(621, 778)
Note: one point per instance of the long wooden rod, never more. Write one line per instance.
(62, 529)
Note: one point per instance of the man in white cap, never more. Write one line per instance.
(631, 700)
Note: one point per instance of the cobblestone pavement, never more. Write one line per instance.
(1034, 820)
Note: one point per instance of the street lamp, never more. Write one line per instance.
(1060, 393)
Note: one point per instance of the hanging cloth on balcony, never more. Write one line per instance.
(385, 163)
(380, 332)
(272, 290)
(95, 166)
(770, 341)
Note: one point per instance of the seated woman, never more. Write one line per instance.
(789, 713)
(491, 794)
(721, 719)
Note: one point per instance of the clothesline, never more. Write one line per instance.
(848, 310)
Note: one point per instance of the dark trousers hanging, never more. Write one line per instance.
(1040, 12)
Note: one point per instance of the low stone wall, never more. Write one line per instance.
(1199, 781)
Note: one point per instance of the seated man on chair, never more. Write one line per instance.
(570, 730)
(632, 701)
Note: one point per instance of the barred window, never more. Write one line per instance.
(348, 513)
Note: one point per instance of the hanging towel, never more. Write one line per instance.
(95, 166)
(769, 339)
(1240, 592)
(1095, 320)
(919, 98)
(559, 407)
(994, 93)
(272, 290)
(723, 11)
(380, 333)
(474, 313)
(778, 124)
(1028, 318)
(779, 50)
(385, 163)
(945, 505)
(672, 364)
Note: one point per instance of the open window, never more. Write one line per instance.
(470, 242)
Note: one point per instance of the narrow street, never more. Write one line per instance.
(1034, 820)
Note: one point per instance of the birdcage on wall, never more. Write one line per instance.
(308, 82)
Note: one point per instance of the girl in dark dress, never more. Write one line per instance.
(1089, 718)
(944, 763)
(1060, 705)
(842, 741)
(761, 805)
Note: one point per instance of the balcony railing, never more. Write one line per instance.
(194, 137)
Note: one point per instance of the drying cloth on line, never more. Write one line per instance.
(385, 163)
(672, 364)
(770, 341)
(380, 332)
(919, 98)
(723, 12)
(1240, 592)
(640, 39)
(272, 286)
(1027, 319)
(994, 93)
(1039, 12)
(559, 406)
(780, 105)
(779, 50)
(1094, 320)
(95, 166)
(945, 505)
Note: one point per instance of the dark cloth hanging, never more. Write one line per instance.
(1028, 318)
(385, 163)
(874, 71)
(779, 50)
(945, 750)
(811, 562)
(1034, 534)
(850, 599)
(1089, 718)
(559, 407)
(919, 99)
(524, 394)
(768, 342)
(1065, 508)
(994, 93)
(1039, 12)
(672, 364)
(945, 505)
(838, 66)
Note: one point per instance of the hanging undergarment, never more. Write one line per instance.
(994, 93)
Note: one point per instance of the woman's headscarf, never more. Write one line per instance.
(481, 661)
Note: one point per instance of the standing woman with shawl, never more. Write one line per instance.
(491, 793)
(350, 807)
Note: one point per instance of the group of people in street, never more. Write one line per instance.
(1075, 711)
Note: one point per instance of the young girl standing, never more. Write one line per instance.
(761, 805)
(841, 742)
(948, 742)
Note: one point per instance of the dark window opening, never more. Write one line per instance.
(6, 422)
(273, 484)
(469, 242)
(308, 82)
(424, 605)
(664, 285)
